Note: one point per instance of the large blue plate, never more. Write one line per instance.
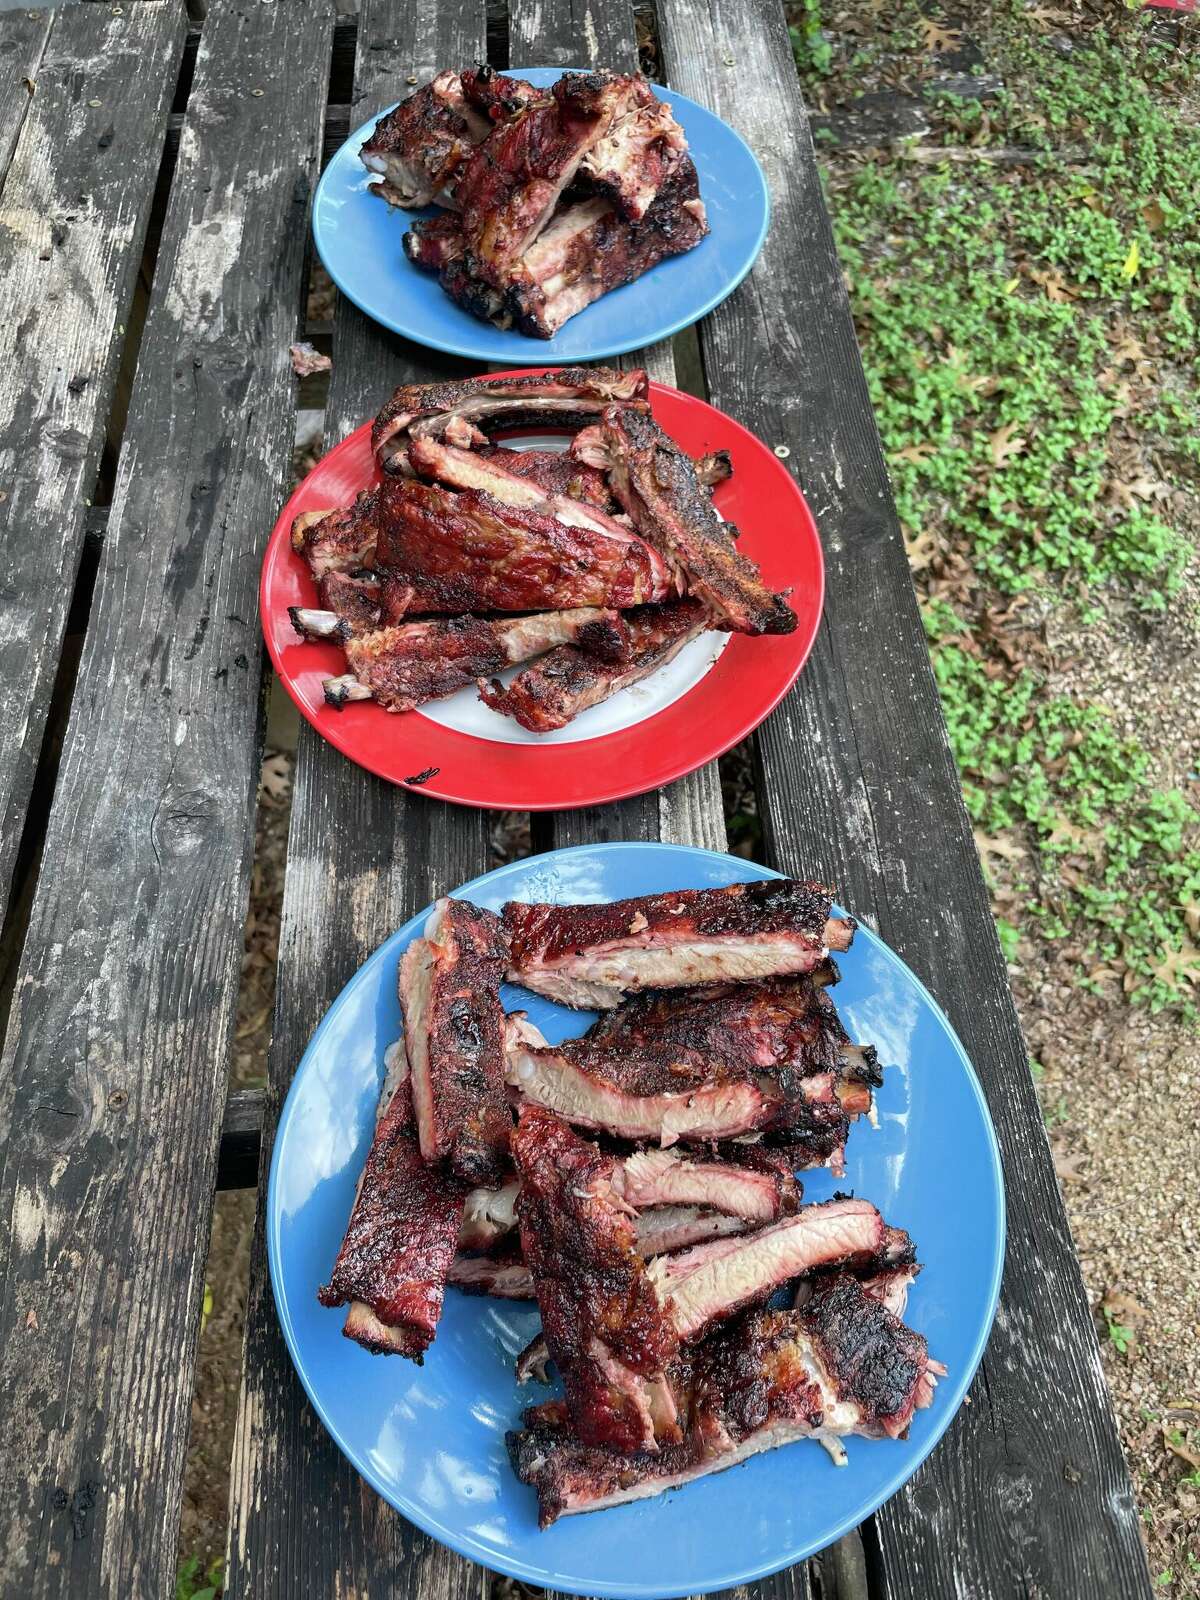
(358, 238)
(431, 1439)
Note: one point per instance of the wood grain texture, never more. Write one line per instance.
(79, 157)
(1029, 1493)
(115, 1062)
(362, 857)
(591, 33)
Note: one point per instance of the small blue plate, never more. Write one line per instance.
(358, 237)
(431, 1439)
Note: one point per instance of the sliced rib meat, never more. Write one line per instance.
(595, 955)
(667, 1177)
(464, 412)
(638, 153)
(656, 482)
(601, 1317)
(499, 1278)
(472, 552)
(568, 681)
(400, 1239)
(454, 1034)
(639, 1097)
(844, 1365)
(711, 1282)
(414, 662)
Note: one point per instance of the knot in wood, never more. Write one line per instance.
(185, 823)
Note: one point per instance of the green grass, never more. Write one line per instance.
(196, 1582)
(1030, 333)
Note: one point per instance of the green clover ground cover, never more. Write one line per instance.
(1029, 329)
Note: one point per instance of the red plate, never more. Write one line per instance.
(475, 763)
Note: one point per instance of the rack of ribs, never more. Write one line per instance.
(587, 249)
(593, 956)
(601, 1316)
(656, 483)
(454, 1034)
(843, 1365)
(567, 681)
(401, 1238)
(407, 665)
(421, 147)
(466, 411)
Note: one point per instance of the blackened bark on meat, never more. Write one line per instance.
(399, 1242)
(406, 666)
(657, 484)
(454, 1035)
(555, 690)
(602, 1320)
(594, 955)
(471, 408)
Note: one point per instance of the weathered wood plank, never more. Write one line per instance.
(362, 857)
(23, 39)
(1029, 1493)
(81, 153)
(115, 1062)
(589, 33)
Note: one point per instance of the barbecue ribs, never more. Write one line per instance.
(401, 1237)
(470, 551)
(454, 1035)
(601, 1317)
(595, 955)
(556, 689)
(656, 482)
(422, 146)
(465, 411)
(406, 666)
(843, 1365)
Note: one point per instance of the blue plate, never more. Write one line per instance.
(431, 1439)
(358, 237)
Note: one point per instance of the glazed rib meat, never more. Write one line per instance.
(408, 665)
(843, 1365)
(639, 1097)
(494, 475)
(587, 249)
(656, 483)
(601, 1317)
(400, 1240)
(454, 1035)
(595, 955)
(758, 1190)
(787, 1024)
(464, 412)
(568, 681)
(711, 1282)
(421, 147)
(473, 552)
(512, 182)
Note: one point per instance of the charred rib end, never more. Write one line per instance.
(340, 690)
(312, 624)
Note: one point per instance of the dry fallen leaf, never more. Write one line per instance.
(1056, 286)
(1003, 444)
(1047, 16)
(920, 549)
(1178, 1445)
(914, 452)
(1122, 1307)
(939, 39)
(1179, 966)
(276, 776)
(1067, 1166)
(1155, 217)
(987, 845)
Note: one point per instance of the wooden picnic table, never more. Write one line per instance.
(150, 159)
